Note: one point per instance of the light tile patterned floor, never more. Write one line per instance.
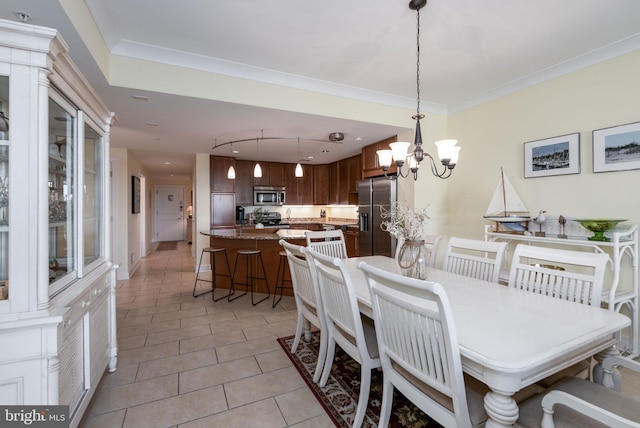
(188, 363)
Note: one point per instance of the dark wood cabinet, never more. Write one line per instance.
(244, 182)
(218, 168)
(370, 166)
(321, 184)
(334, 183)
(351, 240)
(355, 174)
(276, 174)
(299, 189)
(343, 180)
(223, 210)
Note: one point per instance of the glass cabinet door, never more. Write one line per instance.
(4, 187)
(92, 222)
(62, 204)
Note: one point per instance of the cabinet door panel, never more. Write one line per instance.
(244, 187)
(219, 166)
(370, 166)
(305, 185)
(223, 210)
(321, 184)
(276, 174)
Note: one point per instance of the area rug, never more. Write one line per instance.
(339, 396)
(167, 246)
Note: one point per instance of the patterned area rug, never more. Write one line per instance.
(339, 397)
(167, 246)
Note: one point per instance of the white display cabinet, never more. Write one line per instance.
(623, 243)
(57, 284)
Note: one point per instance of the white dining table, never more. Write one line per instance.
(509, 338)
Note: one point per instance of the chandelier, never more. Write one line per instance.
(448, 150)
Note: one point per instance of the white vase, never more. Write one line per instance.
(259, 226)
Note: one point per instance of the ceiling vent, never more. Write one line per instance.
(336, 136)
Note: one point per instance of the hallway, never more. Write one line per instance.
(185, 362)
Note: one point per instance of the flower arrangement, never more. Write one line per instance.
(404, 222)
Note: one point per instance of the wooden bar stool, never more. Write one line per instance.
(212, 254)
(251, 256)
(283, 267)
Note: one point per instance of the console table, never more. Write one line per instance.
(624, 241)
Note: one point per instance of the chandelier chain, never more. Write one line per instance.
(418, 61)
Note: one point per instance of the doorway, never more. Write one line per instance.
(169, 213)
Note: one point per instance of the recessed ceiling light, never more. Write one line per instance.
(140, 97)
(235, 151)
(325, 151)
(309, 157)
(167, 163)
(152, 123)
(357, 138)
(22, 16)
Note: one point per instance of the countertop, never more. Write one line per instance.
(260, 234)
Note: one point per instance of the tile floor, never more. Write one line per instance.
(185, 362)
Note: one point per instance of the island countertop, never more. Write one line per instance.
(257, 234)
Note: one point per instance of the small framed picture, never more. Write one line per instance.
(616, 148)
(552, 156)
(135, 195)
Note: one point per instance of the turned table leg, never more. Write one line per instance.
(501, 408)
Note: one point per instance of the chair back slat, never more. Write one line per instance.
(475, 258)
(418, 344)
(576, 276)
(328, 242)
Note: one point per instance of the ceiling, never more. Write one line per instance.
(471, 51)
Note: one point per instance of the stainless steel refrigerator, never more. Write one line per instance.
(374, 193)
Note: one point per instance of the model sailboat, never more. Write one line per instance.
(506, 208)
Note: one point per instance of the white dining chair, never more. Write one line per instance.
(419, 350)
(577, 276)
(578, 403)
(307, 297)
(345, 327)
(328, 242)
(432, 242)
(475, 258)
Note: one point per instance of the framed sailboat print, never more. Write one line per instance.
(552, 156)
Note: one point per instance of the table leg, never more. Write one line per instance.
(610, 380)
(501, 408)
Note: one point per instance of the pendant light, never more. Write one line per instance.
(231, 173)
(257, 170)
(447, 149)
(299, 172)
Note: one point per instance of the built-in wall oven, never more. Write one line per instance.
(267, 195)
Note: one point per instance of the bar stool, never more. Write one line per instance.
(212, 254)
(251, 256)
(283, 267)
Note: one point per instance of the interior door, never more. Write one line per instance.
(169, 213)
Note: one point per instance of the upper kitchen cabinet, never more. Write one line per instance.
(299, 189)
(276, 174)
(244, 184)
(218, 168)
(321, 184)
(370, 164)
(57, 283)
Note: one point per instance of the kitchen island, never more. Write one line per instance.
(265, 240)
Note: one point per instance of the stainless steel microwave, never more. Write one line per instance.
(265, 195)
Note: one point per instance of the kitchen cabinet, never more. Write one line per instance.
(299, 189)
(321, 184)
(276, 174)
(244, 186)
(223, 210)
(355, 174)
(334, 183)
(57, 283)
(370, 166)
(343, 179)
(218, 168)
(351, 237)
